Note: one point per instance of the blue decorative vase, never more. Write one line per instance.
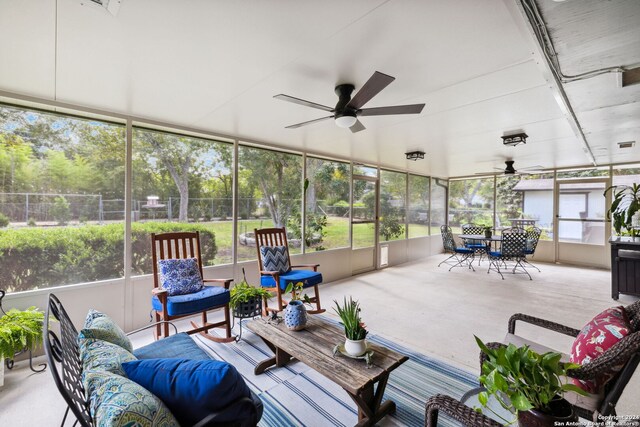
(295, 316)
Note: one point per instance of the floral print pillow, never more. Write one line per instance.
(597, 336)
(180, 276)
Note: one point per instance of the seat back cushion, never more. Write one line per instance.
(100, 326)
(275, 258)
(116, 401)
(596, 337)
(191, 389)
(180, 276)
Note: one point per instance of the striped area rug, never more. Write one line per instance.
(296, 395)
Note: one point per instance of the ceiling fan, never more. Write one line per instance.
(348, 109)
(510, 170)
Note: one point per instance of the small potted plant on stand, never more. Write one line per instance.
(246, 300)
(354, 329)
(527, 384)
(295, 314)
(19, 331)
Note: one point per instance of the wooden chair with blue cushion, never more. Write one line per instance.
(276, 271)
(179, 289)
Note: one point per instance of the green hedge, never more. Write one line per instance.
(34, 258)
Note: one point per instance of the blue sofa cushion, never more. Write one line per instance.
(307, 277)
(275, 258)
(180, 276)
(209, 297)
(175, 346)
(116, 401)
(191, 389)
(100, 326)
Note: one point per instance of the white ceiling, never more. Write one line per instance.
(215, 66)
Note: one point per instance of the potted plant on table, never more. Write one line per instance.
(295, 314)
(625, 208)
(527, 384)
(354, 330)
(19, 330)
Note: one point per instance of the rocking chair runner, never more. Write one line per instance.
(184, 245)
(276, 280)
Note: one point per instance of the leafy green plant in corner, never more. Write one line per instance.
(625, 203)
(349, 313)
(20, 329)
(521, 379)
(244, 292)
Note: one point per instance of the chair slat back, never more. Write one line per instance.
(178, 245)
(447, 238)
(270, 237)
(63, 355)
(514, 242)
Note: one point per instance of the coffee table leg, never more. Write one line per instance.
(280, 358)
(370, 411)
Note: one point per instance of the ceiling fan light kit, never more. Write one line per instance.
(515, 139)
(415, 155)
(347, 110)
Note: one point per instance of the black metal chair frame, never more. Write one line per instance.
(63, 355)
(455, 259)
(512, 248)
(479, 247)
(533, 235)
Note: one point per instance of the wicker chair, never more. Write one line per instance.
(457, 410)
(625, 353)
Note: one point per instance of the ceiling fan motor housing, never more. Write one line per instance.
(509, 170)
(344, 92)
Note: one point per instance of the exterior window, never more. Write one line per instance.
(528, 197)
(181, 183)
(439, 189)
(270, 194)
(393, 196)
(327, 215)
(418, 206)
(61, 200)
(470, 202)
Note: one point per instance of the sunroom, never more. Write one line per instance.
(376, 133)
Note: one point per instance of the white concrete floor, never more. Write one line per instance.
(421, 306)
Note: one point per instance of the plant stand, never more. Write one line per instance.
(246, 310)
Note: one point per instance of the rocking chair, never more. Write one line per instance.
(185, 246)
(276, 271)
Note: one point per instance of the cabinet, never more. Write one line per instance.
(625, 266)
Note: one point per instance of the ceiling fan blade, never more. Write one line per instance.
(357, 127)
(297, 125)
(303, 102)
(397, 109)
(534, 167)
(371, 88)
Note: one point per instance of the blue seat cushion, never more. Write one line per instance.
(191, 389)
(476, 246)
(528, 252)
(464, 250)
(176, 346)
(307, 277)
(209, 297)
(495, 253)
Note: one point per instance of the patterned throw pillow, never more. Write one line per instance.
(100, 326)
(180, 276)
(102, 356)
(597, 336)
(116, 401)
(275, 258)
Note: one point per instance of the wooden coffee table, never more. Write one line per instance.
(314, 347)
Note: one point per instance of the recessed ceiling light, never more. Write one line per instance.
(626, 144)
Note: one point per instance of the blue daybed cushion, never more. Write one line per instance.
(207, 298)
(191, 389)
(307, 277)
(176, 346)
(180, 276)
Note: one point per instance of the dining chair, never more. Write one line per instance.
(458, 255)
(480, 247)
(512, 249)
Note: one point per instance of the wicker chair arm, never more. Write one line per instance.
(456, 410)
(226, 282)
(617, 355)
(557, 327)
(314, 266)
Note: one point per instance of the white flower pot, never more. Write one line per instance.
(355, 348)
